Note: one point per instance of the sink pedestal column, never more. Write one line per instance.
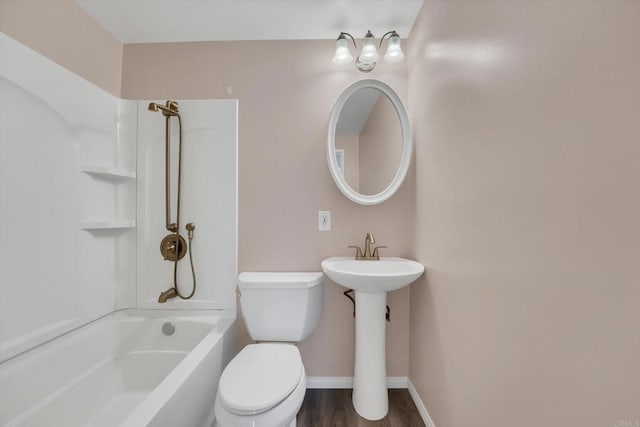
(370, 398)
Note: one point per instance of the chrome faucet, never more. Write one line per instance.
(367, 255)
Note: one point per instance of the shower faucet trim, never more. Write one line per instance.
(173, 247)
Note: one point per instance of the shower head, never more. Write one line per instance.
(170, 110)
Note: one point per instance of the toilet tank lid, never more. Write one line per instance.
(279, 280)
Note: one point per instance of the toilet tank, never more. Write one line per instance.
(280, 306)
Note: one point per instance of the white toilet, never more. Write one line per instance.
(265, 384)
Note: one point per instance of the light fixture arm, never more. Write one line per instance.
(353, 40)
(388, 33)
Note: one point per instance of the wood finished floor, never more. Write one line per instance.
(333, 408)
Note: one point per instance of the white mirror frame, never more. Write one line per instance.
(407, 143)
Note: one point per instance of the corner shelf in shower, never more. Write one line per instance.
(107, 225)
(107, 172)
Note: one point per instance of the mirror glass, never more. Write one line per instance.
(369, 142)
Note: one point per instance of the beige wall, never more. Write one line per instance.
(286, 90)
(380, 147)
(63, 32)
(528, 212)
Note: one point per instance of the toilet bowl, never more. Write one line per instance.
(265, 384)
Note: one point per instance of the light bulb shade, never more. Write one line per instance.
(369, 54)
(343, 55)
(394, 50)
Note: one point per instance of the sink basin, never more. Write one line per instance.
(371, 277)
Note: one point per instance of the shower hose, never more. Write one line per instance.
(190, 227)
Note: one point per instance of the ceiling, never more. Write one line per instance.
(159, 21)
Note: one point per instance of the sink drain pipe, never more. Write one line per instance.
(348, 293)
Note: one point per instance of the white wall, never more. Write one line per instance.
(209, 200)
(55, 274)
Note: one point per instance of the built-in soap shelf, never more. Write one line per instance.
(101, 201)
(107, 225)
(108, 172)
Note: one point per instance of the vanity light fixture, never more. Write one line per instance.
(368, 56)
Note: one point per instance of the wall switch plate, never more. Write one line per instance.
(324, 220)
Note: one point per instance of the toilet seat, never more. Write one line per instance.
(260, 377)
(281, 415)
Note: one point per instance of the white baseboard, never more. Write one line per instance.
(347, 382)
(397, 382)
(420, 405)
(329, 382)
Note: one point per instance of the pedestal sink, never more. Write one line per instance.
(371, 281)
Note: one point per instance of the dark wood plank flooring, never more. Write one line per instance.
(333, 408)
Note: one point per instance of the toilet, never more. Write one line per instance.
(265, 384)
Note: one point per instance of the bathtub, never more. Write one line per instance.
(125, 369)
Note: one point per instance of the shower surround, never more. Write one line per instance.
(67, 189)
(81, 173)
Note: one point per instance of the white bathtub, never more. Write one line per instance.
(122, 370)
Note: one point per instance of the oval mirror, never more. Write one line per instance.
(369, 142)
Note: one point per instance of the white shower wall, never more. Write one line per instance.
(80, 213)
(60, 263)
(209, 200)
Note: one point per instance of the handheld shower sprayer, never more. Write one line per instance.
(190, 227)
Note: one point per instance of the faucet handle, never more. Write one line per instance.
(375, 252)
(358, 251)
